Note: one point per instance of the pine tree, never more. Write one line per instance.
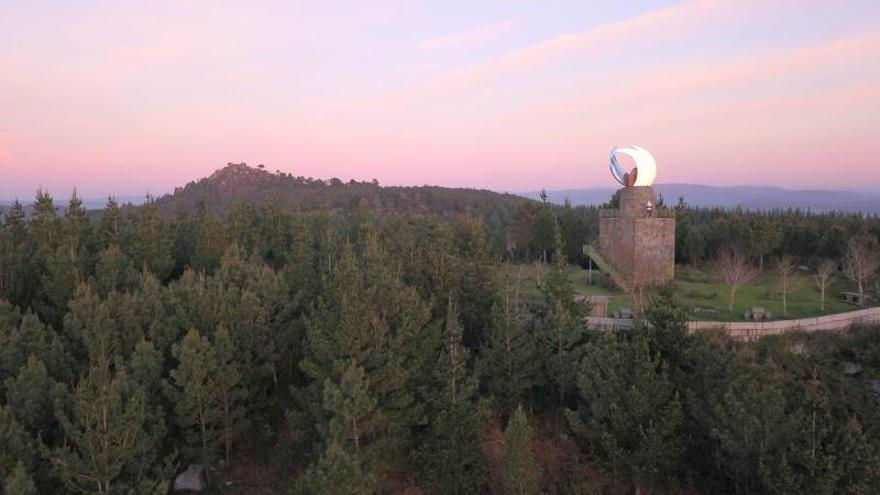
(197, 407)
(11, 357)
(544, 231)
(31, 395)
(828, 452)
(30, 337)
(90, 334)
(105, 430)
(560, 331)
(112, 228)
(228, 388)
(152, 310)
(629, 410)
(508, 360)
(145, 369)
(243, 227)
(520, 474)
(366, 315)
(44, 239)
(16, 446)
(210, 243)
(19, 482)
(151, 248)
(127, 331)
(451, 457)
(14, 265)
(667, 329)
(751, 426)
(344, 466)
(475, 281)
(114, 271)
(69, 263)
(337, 472)
(352, 409)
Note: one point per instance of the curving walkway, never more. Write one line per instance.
(754, 330)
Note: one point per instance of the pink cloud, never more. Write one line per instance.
(664, 21)
(471, 37)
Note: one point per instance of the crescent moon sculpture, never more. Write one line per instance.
(644, 172)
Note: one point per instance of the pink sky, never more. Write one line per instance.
(505, 95)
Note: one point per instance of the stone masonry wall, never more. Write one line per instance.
(754, 330)
(654, 250)
(641, 248)
(617, 244)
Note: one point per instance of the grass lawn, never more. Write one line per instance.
(700, 289)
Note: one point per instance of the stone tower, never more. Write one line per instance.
(637, 240)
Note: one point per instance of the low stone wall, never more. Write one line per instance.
(753, 330)
(605, 323)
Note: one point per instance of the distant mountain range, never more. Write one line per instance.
(88, 203)
(240, 182)
(746, 197)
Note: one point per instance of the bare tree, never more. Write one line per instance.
(786, 271)
(735, 270)
(861, 262)
(825, 273)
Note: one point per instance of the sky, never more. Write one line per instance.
(142, 96)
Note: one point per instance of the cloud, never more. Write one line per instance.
(638, 87)
(471, 37)
(653, 25)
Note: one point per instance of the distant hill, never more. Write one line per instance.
(238, 181)
(746, 197)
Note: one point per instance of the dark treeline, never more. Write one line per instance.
(376, 355)
(701, 233)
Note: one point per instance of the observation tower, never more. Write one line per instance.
(637, 239)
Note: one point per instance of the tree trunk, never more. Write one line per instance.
(822, 298)
(732, 298)
(784, 304)
(227, 440)
(559, 356)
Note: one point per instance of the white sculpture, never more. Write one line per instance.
(644, 172)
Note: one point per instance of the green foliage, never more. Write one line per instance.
(197, 406)
(16, 445)
(520, 474)
(375, 319)
(337, 472)
(629, 410)
(31, 396)
(560, 330)
(151, 244)
(210, 242)
(19, 482)
(508, 361)
(450, 457)
(14, 264)
(25, 337)
(368, 318)
(105, 430)
(345, 466)
(114, 271)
